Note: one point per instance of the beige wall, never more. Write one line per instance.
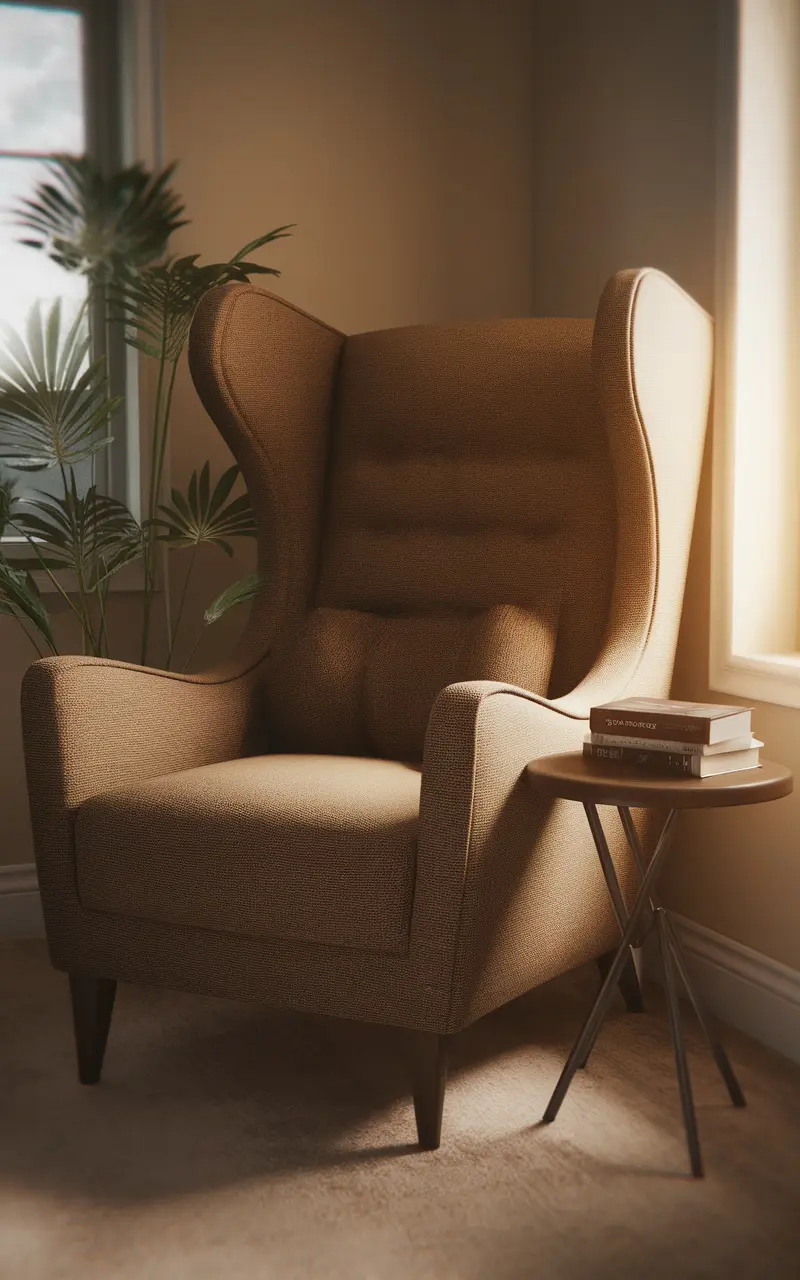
(624, 146)
(625, 104)
(396, 135)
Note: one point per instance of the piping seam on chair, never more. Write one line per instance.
(651, 469)
(467, 848)
(254, 441)
(291, 306)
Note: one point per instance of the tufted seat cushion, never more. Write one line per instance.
(313, 848)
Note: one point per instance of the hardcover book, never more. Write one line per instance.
(672, 763)
(704, 723)
(661, 744)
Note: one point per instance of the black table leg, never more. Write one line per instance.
(720, 1056)
(676, 1031)
(629, 974)
(673, 962)
(596, 1014)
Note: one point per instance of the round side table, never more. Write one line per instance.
(593, 783)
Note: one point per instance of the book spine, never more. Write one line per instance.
(646, 744)
(650, 724)
(665, 763)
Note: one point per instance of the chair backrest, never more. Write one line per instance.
(438, 503)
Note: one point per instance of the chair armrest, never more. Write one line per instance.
(509, 890)
(90, 725)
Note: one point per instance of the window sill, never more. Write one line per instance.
(129, 578)
(763, 677)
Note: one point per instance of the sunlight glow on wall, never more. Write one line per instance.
(765, 510)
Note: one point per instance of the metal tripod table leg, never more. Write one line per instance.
(719, 1054)
(605, 995)
(673, 963)
(681, 1065)
(617, 900)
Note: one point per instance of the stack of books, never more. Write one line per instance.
(693, 739)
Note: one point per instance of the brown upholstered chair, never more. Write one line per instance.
(471, 533)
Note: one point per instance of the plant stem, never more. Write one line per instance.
(193, 649)
(162, 453)
(86, 615)
(165, 423)
(46, 569)
(103, 634)
(26, 632)
(179, 615)
(149, 575)
(86, 620)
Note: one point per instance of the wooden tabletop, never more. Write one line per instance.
(573, 777)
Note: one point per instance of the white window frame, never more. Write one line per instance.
(755, 560)
(141, 127)
(139, 137)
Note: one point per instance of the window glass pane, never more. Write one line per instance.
(26, 276)
(41, 71)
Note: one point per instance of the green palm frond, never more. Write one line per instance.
(240, 592)
(159, 302)
(20, 599)
(205, 515)
(54, 402)
(91, 534)
(100, 224)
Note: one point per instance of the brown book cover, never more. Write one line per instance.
(690, 722)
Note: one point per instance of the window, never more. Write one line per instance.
(75, 76)
(755, 620)
(41, 110)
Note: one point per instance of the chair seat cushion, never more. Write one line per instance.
(314, 848)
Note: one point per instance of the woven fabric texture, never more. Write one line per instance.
(279, 846)
(470, 468)
(421, 493)
(351, 681)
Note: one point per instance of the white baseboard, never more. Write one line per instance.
(20, 907)
(740, 986)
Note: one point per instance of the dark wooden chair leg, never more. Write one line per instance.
(428, 1056)
(629, 986)
(92, 1004)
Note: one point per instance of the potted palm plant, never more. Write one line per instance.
(57, 409)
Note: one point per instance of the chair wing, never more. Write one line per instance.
(513, 863)
(653, 363)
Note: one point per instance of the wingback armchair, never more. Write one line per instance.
(470, 533)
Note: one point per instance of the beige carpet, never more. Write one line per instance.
(234, 1142)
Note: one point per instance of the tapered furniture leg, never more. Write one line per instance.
(629, 979)
(681, 1064)
(92, 1005)
(583, 1044)
(428, 1055)
(720, 1056)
